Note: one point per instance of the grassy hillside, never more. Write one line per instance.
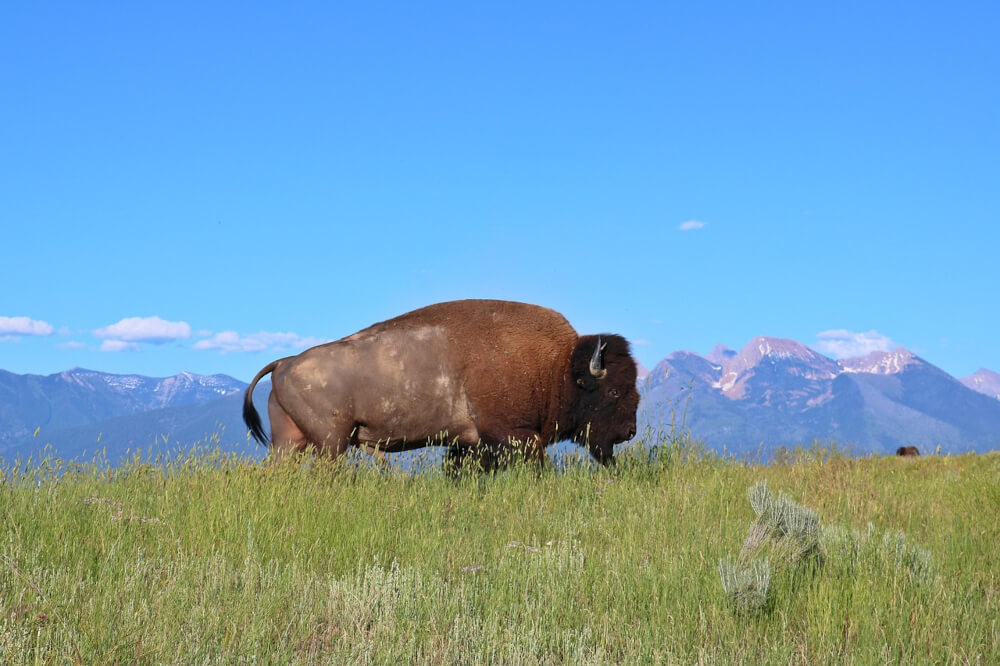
(217, 560)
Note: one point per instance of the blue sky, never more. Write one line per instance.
(207, 186)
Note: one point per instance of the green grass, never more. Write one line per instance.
(217, 560)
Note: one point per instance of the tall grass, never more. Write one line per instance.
(212, 559)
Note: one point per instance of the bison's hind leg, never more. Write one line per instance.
(286, 437)
(330, 437)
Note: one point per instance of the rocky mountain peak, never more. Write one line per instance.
(799, 360)
(696, 366)
(984, 381)
(720, 354)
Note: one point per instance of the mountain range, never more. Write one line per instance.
(772, 393)
(79, 412)
(777, 392)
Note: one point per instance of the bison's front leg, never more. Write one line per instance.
(518, 445)
(489, 455)
(527, 444)
(476, 457)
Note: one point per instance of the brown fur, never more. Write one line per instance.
(511, 357)
(907, 451)
(484, 371)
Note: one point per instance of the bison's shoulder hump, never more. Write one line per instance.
(475, 314)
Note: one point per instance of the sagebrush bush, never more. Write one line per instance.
(790, 536)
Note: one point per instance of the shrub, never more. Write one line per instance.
(786, 536)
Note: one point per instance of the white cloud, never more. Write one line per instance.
(231, 341)
(692, 225)
(118, 346)
(145, 329)
(841, 343)
(24, 326)
(72, 344)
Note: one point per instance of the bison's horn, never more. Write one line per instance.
(597, 360)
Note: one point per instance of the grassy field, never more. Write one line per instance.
(217, 560)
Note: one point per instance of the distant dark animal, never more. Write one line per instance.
(907, 451)
(467, 374)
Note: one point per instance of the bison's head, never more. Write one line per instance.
(604, 396)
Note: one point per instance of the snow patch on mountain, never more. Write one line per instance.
(881, 362)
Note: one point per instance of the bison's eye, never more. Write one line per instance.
(613, 393)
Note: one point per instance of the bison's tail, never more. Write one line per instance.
(250, 415)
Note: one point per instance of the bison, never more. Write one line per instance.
(473, 374)
(907, 451)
